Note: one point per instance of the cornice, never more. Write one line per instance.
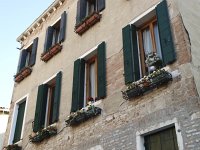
(42, 18)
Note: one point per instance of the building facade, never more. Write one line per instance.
(97, 74)
(4, 113)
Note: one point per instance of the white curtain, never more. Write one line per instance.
(157, 39)
(92, 80)
(147, 42)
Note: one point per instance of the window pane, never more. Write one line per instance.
(157, 39)
(92, 80)
(147, 41)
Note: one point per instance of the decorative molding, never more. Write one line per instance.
(42, 18)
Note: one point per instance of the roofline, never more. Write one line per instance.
(53, 7)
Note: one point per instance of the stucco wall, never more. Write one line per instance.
(120, 119)
(189, 12)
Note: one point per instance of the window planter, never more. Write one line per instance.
(82, 115)
(153, 80)
(26, 71)
(87, 23)
(51, 52)
(13, 147)
(43, 134)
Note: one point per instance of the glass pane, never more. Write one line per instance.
(92, 80)
(157, 39)
(147, 41)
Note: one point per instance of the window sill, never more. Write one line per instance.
(87, 23)
(51, 52)
(26, 71)
(145, 84)
(82, 115)
(13, 147)
(43, 134)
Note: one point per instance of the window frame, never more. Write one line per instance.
(150, 23)
(14, 119)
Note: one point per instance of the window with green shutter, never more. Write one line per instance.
(148, 44)
(89, 81)
(26, 61)
(19, 121)
(48, 103)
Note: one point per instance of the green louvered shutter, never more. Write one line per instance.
(130, 52)
(78, 85)
(19, 122)
(40, 110)
(101, 76)
(56, 103)
(22, 60)
(100, 5)
(33, 52)
(166, 40)
(62, 27)
(81, 10)
(48, 38)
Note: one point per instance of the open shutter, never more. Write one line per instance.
(81, 10)
(62, 27)
(101, 5)
(22, 60)
(48, 38)
(40, 110)
(56, 103)
(78, 85)
(101, 77)
(130, 52)
(166, 40)
(19, 122)
(33, 52)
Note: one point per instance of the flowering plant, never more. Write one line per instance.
(153, 60)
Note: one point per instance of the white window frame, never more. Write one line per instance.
(159, 127)
(14, 119)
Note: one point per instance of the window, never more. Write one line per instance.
(89, 79)
(149, 43)
(88, 14)
(162, 140)
(55, 34)
(47, 106)
(18, 122)
(151, 38)
(26, 61)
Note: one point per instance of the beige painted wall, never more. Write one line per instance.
(190, 14)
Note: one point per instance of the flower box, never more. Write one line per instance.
(13, 147)
(51, 52)
(87, 22)
(82, 115)
(43, 134)
(26, 71)
(153, 80)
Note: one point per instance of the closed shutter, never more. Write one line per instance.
(130, 53)
(56, 103)
(22, 60)
(166, 40)
(101, 76)
(48, 38)
(40, 110)
(81, 10)
(78, 85)
(62, 27)
(101, 5)
(19, 122)
(33, 52)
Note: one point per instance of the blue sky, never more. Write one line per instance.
(15, 17)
